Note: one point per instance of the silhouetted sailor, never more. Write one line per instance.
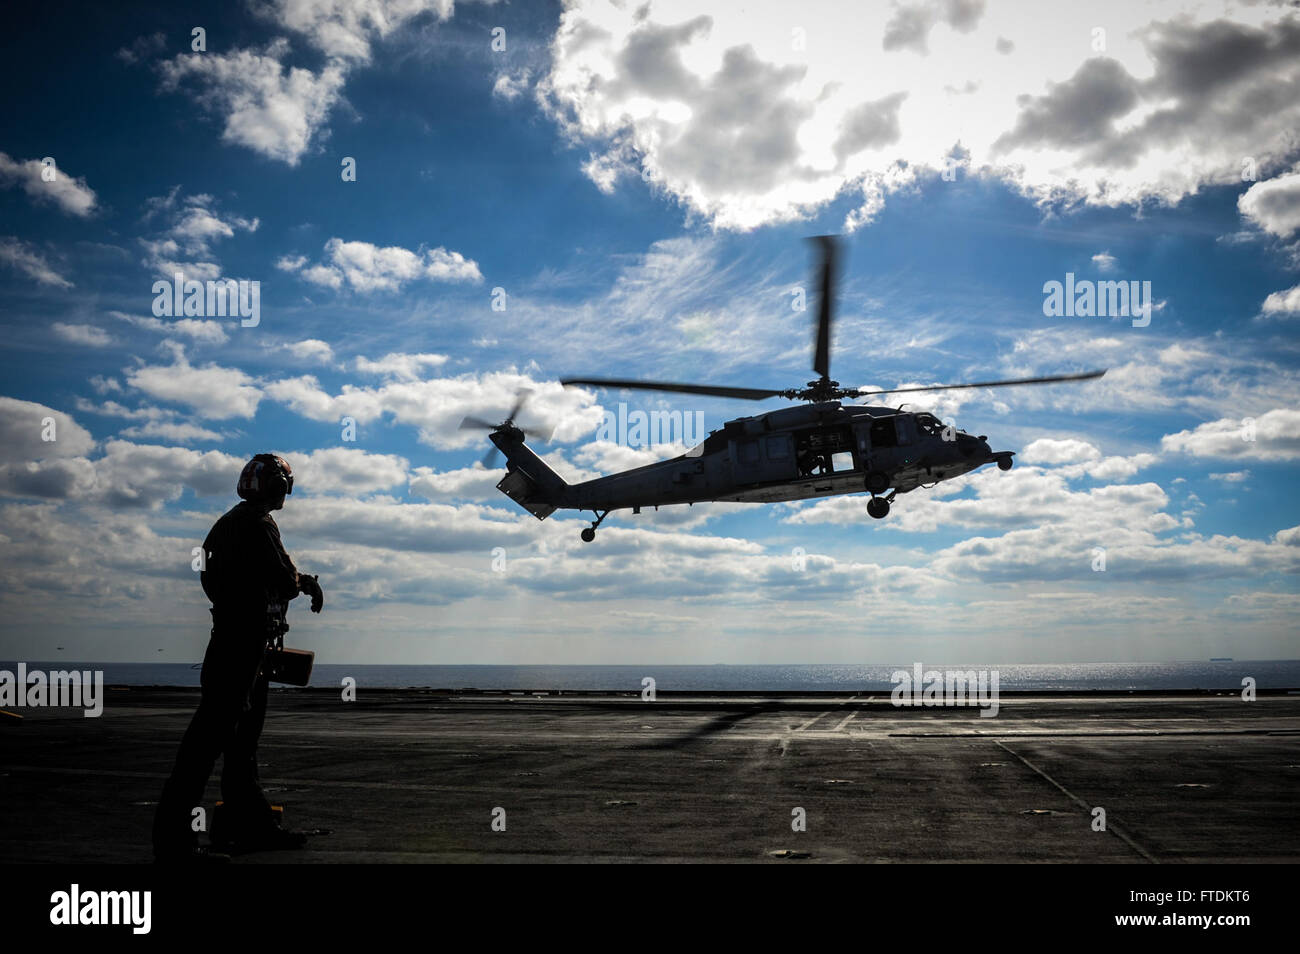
(250, 580)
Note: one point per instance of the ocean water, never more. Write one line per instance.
(1268, 674)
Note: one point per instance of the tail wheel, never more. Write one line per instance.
(878, 507)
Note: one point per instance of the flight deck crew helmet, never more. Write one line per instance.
(265, 477)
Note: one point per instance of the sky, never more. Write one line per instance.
(441, 205)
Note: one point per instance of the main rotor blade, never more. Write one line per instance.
(475, 424)
(520, 397)
(747, 394)
(825, 305)
(1085, 376)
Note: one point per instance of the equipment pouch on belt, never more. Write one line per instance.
(292, 667)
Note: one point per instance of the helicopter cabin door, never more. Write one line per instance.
(763, 458)
(825, 450)
(878, 443)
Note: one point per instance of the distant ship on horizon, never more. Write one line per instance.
(1220, 659)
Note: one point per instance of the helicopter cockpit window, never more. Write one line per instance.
(883, 433)
(928, 424)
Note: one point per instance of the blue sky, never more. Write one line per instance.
(639, 184)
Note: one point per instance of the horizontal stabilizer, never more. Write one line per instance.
(521, 488)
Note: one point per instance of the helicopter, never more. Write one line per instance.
(821, 448)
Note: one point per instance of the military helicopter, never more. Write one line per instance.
(819, 449)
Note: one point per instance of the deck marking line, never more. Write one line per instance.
(812, 720)
(1081, 803)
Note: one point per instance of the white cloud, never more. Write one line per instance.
(148, 475)
(114, 409)
(1283, 302)
(200, 330)
(387, 524)
(31, 465)
(511, 86)
(742, 125)
(269, 107)
(69, 193)
(345, 29)
(910, 26)
(1049, 451)
(278, 110)
(143, 47)
(467, 483)
(713, 314)
(311, 349)
(407, 556)
(1272, 436)
(324, 275)
(182, 432)
(158, 422)
(211, 391)
(87, 335)
(1273, 205)
(1235, 477)
(441, 265)
(1148, 376)
(1109, 468)
(304, 395)
(1053, 532)
(403, 367)
(192, 227)
(1066, 554)
(21, 256)
(1024, 497)
(436, 406)
(1105, 262)
(346, 470)
(197, 227)
(369, 268)
(22, 428)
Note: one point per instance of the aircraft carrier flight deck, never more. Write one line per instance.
(473, 776)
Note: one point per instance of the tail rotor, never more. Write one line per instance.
(507, 427)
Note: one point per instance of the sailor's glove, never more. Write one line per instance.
(310, 586)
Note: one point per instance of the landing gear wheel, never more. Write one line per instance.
(1004, 463)
(590, 533)
(877, 482)
(878, 507)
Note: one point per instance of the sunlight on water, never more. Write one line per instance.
(771, 678)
